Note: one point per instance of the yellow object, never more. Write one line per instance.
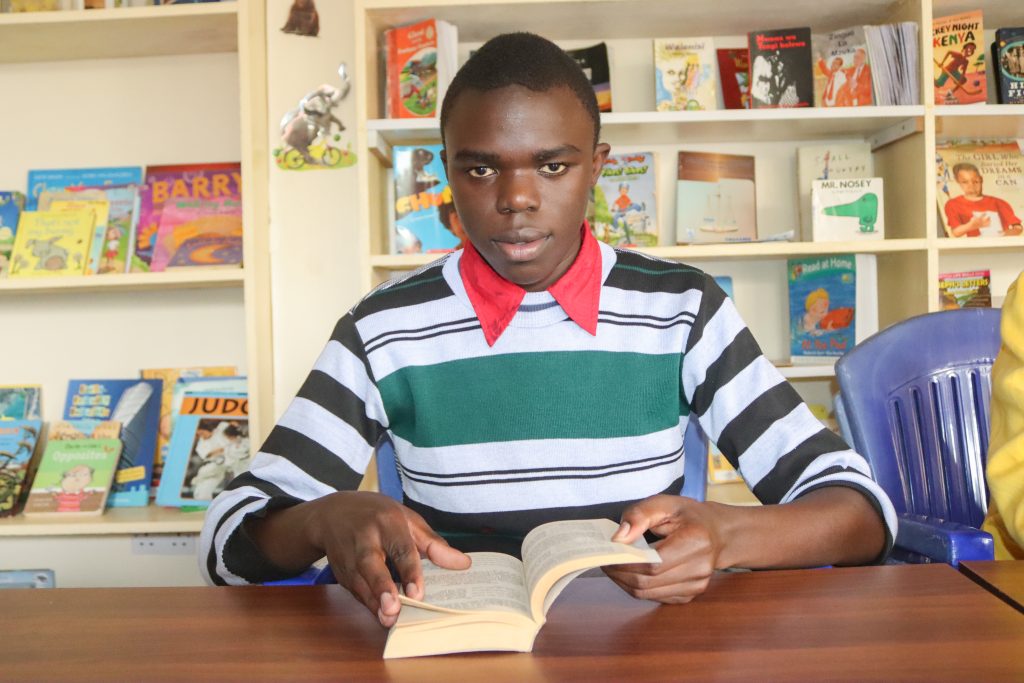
(101, 211)
(52, 243)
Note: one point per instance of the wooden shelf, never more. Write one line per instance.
(178, 279)
(147, 520)
(979, 110)
(994, 244)
(122, 32)
(826, 369)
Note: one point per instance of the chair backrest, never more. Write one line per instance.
(914, 400)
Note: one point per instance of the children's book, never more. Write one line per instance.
(847, 210)
(199, 233)
(62, 179)
(980, 187)
(715, 200)
(11, 206)
(500, 602)
(625, 208)
(842, 69)
(828, 162)
(74, 430)
(209, 447)
(19, 402)
(684, 74)
(18, 441)
(833, 304)
(420, 62)
(52, 243)
(780, 68)
(101, 214)
(734, 74)
(965, 290)
(123, 202)
(74, 478)
(1008, 63)
(958, 45)
(135, 404)
(424, 214)
(594, 62)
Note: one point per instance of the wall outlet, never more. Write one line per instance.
(164, 544)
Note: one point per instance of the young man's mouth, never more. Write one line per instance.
(521, 245)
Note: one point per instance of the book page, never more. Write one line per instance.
(493, 582)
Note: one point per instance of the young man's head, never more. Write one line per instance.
(968, 177)
(520, 127)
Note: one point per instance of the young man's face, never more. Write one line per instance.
(521, 165)
(970, 183)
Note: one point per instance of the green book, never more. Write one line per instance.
(74, 478)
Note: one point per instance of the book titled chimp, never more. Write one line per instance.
(780, 68)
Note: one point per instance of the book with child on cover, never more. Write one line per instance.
(625, 206)
(959, 58)
(980, 187)
(74, 478)
(500, 602)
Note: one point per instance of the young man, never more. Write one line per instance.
(538, 375)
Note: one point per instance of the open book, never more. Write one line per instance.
(500, 603)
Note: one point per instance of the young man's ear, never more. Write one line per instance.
(601, 152)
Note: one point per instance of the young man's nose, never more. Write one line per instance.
(518, 193)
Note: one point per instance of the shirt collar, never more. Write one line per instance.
(495, 300)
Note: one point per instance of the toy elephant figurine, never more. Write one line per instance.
(313, 118)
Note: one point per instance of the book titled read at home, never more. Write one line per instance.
(734, 72)
(74, 478)
(971, 289)
(500, 602)
(199, 233)
(594, 62)
(842, 69)
(684, 74)
(423, 211)
(780, 68)
(18, 440)
(958, 46)
(625, 207)
(1008, 64)
(715, 200)
(420, 61)
(980, 187)
(52, 243)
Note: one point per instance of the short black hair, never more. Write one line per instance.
(524, 59)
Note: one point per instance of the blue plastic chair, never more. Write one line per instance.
(914, 400)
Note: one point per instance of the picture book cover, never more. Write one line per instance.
(828, 162)
(780, 68)
(74, 478)
(734, 73)
(594, 62)
(209, 447)
(833, 304)
(52, 243)
(715, 200)
(842, 70)
(848, 210)
(62, 179)
(74, 430)
(625, 207)
(980, 187)
(20, 402)
(1008, 63)
(12, 203)
(178, 182)
(135, 404)
(101, 213)
(123, 206)
(18, 441)
(959, 53)
(420, 61)
(972, 289)
(684, 74)
(424, 214)
(199, 233)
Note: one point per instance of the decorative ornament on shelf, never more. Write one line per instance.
(309, 139)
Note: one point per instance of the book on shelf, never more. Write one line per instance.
(781, 73)
(74, 478)
(833, 304)
(828, 162)
(38, 5)
(420, 62)
(1008, 64)
(42, 180)
(135, 404)
(972, 289)
(959, 55)
(101, 214)
(18, 441)
(123, 207)
(684, 74)
(842, 70)
(199, 233)
(715, 199)
(734, 75)
(50, 243)
(85, 428)
(894, 56)
(12, 203)
(594, 62)
(980, 187)
(20, 401)
(847, 210)
(625, 207)
(423, 211)
(500, 602)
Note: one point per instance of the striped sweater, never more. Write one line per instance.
(549, 423)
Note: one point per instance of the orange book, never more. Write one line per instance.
(421, 61)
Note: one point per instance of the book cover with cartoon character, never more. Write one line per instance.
(199, 233)
(18, 441)
(101, 215)
(74, 478)
(20, 402)
(42, 180)
(958, 43)
(424, 213)
(971, 289)
(684, 74)
(51, 243)
(11, 205)
(420, 61)
(123, 206)
(625, 207)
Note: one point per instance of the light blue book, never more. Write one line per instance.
(63, 178)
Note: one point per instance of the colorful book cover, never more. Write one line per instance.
(101, 215)
(20, 402)
(833, 304)
(715, 200)
(11, 206)
(207, 181)
(420, 62)
(848, 210)
(209, 447)
(52, 243)
(135, 404)
(199, 233)
(828, 162)
(62, 179)
(74, 478)
(684, 74)
(625, 208)
(734, 72)
(780, 68)
(18, 440)
(75, 430)
(842, 72)
(1008, 62)
(123, 202)
(971, 289)
(594, 62)
(959, 53)
(980, 187)
(424, 214)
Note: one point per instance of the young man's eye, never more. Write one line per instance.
(480, 172)
(554, 168)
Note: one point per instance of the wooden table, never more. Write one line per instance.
(1005, 578)
(925, 622)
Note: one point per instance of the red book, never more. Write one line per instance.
(734, 73)
(420, 62)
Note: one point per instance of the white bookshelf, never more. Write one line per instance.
(115, 521)
(134, 282)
